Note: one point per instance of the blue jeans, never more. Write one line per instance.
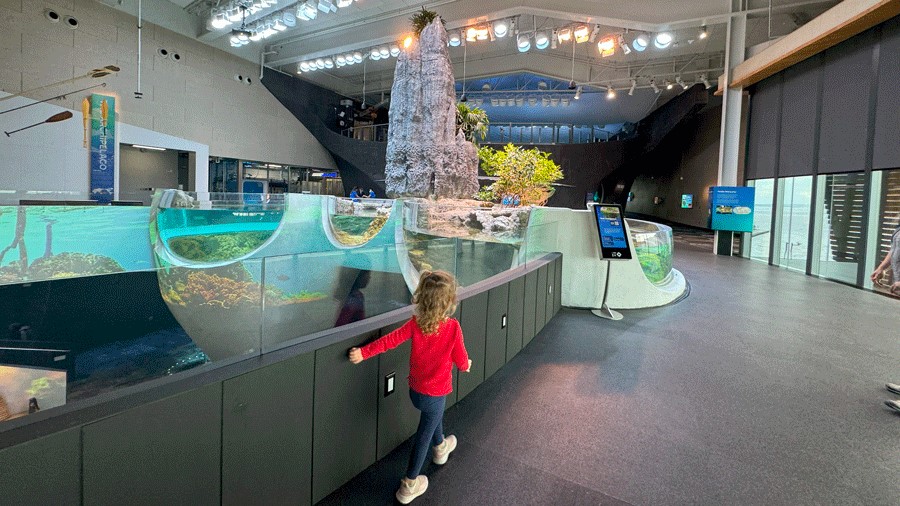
(430, 432)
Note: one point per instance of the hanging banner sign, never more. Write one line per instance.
(103, 147)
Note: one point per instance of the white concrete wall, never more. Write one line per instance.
(194, 102)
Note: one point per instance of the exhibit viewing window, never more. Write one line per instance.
(757, 243)
(884, 230)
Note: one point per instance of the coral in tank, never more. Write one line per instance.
(218, 247)
(66, 265)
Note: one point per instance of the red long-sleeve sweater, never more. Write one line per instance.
(432, 357)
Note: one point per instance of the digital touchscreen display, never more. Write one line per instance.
(613, 237)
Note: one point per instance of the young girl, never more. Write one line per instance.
(437, 344)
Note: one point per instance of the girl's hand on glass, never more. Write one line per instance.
(355, 355)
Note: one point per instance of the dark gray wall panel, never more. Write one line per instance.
(844, 130)
(451, 399)
(267, 434)
(474, 323)
(540, 310)
(345, 411)
(495, 341)
(551, 280)
(799, 107)
(42, 471)
(528, 313)
(515, 324)
(559, 274)
(887, 117)
(764, 113)
(397, 417)
(166, 452)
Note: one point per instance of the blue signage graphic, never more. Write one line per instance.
(329, 174)
(103, 147)
(731, 208)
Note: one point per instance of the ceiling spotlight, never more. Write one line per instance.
(705, 81)
(374, 55)
(523, 43)
(640, 43)
(541, 40)
(703, 33)
(663, 40)
(633, 86)
(329, 63)
(407, 41)
(482, 33)
(234, 15)
(501, 28)
(626, 49)
(340, 60)
(554, 101)
(395, 50)
(455, 39)
(520, 101)
(471, 34)
(320, 63)
(564, 35)
(607, 46)
(668, 84)
(532, 101)
(307, 11)
(542, 85)
(681, 83)
(610, 93)
(463, 98)
(582, 34)
(257, 36)
(578, 93)
(495, 102)
(357, 57)
(545, 101)
(572, 85)
(594, 33)
(485, 87)
(279, 25)
(344, 3)
(654, 86)
(290, 20)
(479, 101)
(220, 21)
(384, 52)
(553, 37)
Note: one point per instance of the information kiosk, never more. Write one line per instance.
(614, 246)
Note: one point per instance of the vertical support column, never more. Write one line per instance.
(730, 140)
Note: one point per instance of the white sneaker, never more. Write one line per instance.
(410, 489)
(442, 451)
(893, 388)
(895, 405)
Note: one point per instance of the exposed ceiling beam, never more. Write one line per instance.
(835, 25)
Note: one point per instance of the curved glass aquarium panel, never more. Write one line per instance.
(654, 246)
(470, 239)
(356, 223)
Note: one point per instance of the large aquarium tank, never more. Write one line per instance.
(653, 243)
(96, 298)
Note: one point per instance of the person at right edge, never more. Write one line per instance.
(893, 259)
(437, 344)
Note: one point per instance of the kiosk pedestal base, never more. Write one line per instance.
(606, 312)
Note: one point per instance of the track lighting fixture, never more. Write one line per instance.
(564, 35)
(501, 28)
(610, 93)
(607, 46)
(703, 33)
(663, 40)
(705, 81)
(594, 33)
(523, 43)
(582, 34)
(654, 86)
(640, 43)
(541, 40)
(572, 85)
(626, 49)
(668, 84)
(578, 93)
(633, 86)
(455, 39)
(681, 83)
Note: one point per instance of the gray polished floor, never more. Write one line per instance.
(762, 387)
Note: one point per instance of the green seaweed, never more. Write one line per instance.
(656, 263)
(66, 265)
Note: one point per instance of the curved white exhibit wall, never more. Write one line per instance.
(574, 234)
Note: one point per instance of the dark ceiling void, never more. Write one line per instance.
(608, 167)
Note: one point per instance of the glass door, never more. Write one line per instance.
(755, 245)
(792, 222)
(838, 230)
(884, 233)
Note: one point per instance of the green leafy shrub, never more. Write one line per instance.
(526, 173)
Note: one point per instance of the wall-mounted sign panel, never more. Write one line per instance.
(731, 208)
(687, 201)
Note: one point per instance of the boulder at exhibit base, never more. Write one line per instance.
(425, 155)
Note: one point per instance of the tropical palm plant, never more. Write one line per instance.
(472, 122)
(422, 19)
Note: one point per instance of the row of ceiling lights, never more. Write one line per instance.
(237, 12)
(579, 34)
(353, 57)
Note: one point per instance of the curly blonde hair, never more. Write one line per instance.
(435, 299)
